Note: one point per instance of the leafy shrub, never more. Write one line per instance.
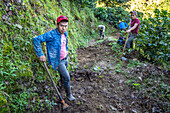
(21, 72)
(112, 3)
(112, 15)
(86, 3)
(153, 37)
(100, 13)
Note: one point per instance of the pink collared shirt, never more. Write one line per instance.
(63, 47)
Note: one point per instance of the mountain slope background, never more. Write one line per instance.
(21, 21)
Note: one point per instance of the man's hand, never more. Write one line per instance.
(128, 31)
(132, 28)
(42, 58)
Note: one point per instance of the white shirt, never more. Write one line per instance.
(101, 27)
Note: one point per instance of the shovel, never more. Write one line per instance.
(124, 46)
(64, 105)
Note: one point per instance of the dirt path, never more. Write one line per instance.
(100, 83)
(96, 85)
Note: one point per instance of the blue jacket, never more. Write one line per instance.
(123, 25)
(53, 45)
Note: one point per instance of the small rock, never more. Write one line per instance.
(156, 110)
(113, 108)
(121, 88)
(104, 89)
(144, 65)
(35, 89)
(71, 63)
(123, 58)
(110, 68)
(81, 91)
(46, 87)
(42, 100)
(110, 65)
(84, 100)
(132, 96)
(120, 81)
(134, 111)
(10, 13)
(140, 78)
(19, 26)
(19, 1)
(134, 59)
(120, 107)
(105, 73)
(138, 66)
(90, 89)
(78, 102)
(4, 17)
(105, 68)
(6, 82)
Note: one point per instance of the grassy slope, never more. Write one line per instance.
(20, 22)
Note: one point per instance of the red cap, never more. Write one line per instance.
(61, 18)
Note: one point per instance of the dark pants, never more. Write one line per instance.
(123, 29)
(129, 43)
(102, 33)
(64, 75)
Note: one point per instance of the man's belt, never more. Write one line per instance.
(64, 58)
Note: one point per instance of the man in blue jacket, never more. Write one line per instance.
(57, 51)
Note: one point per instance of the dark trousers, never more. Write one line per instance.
(101, 34)
(64, 75)
(123, 29)
(129, 43)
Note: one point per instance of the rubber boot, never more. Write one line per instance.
(69, 94)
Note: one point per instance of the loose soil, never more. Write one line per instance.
(98, 88)
(104, 91)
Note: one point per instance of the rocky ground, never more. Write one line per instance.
(99, 88)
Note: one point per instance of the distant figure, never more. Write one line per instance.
(133, 31)
(122, 25)
(101, 28)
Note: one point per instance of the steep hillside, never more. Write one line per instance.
(20, 70)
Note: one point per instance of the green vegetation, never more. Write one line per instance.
(148, 81)
(150, 85)
(154, 38)
(112, 15)
(21, 72)
(113, 3)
